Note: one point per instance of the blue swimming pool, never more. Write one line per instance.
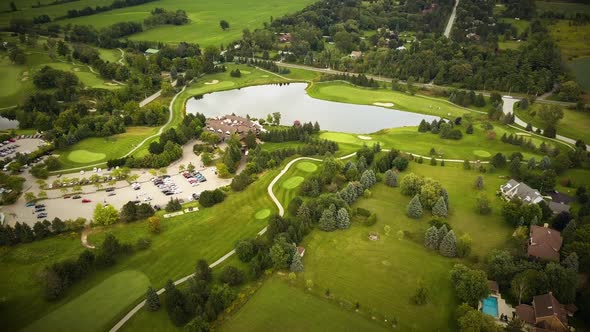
(490, 306)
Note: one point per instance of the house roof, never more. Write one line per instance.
(152, 51)
(526, 313)
(558, 197)
(545, 243)
(525, 193)
(231, 124)
(356, 54)
(546, 305)
(300, 251)
(557, 208)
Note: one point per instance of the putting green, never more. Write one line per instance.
(85, 156)
(307, 166)
(262, 214)
(245, 72)
(292, 182)
(482, 154)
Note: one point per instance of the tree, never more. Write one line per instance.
(232, 276)
(430, 192)
(342, 219)
(391, 178)
(569, 91)
(327, 221)
(525, 285)
(173, 205)
(420, 297)
(431, 238)
(175, 304)
(448, 245)
(296, 264)
(410, 184)
(105, 215)
(198, 324)
(466, 165)
(203, 271)
(499, 160)
(152, 300)
(482, 204)
(475, 320)
(440, 208)
(368, 179)
(128, 212)
(515, 325)
(571, 262)
(479, 183)
(561, 281)
(470, 285)
(414, 209)
(245, 250)
(280, 253)
(154, 225)
(464, 245)
(13, 6)
(224, 25)
(550, 115)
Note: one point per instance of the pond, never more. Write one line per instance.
(7, 124)
(293, 103)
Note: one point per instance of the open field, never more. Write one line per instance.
(106, 299)
(110, 55)
(347, 93)
(520, 25)
(574, 124)
(89, 79)
(278, 306)
(581, 69)
(209, 234)
(408, 139)
(284, 190)
(509, 45)
(100, 149)
(204, 15)
(571, 39)
(562, 7)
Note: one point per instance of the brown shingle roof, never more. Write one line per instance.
(526, 313)
(546, 305)
(544, 243)
(493, 285)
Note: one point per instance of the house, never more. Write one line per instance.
(228, 125)
(151, 51)
(545, 314)
(544, 243)
(356, 54)
(514, 189)
(300, 251)
(493, 285)
(285, 37)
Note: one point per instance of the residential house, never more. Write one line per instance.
(285, 37)
(356, 54)
(514, 189)
(545, 314)
(544, 243)
(151, 51)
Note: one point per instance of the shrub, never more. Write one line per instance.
(211, 197)
(143, 243)
(173, 205)
(371, 220)
(482, 204)
(391, 178)
(232, 276)
(414, 208)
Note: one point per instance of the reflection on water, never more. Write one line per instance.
(293, 103)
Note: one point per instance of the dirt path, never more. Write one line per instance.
(84, 238)
(449, 26)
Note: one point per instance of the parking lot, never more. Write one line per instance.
(25, 145)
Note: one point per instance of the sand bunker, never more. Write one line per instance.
(76, 69)
(366, 138)
(110, 84)
(383, 104)
(264, 75)
(212, 82)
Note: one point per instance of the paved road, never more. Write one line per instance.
(451, 20)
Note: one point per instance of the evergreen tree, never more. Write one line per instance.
(152, 300)
(569, 230)
(342, 219)
(545, 163)
(328, 220)
(391, 178)
(296, 264)
(571, 262)
(440, 208)
(432, 161)
(532, 163)
(414, 208)
(440, 235)
(448, 246)
(445, 196)
(431, 238)
(175, 304)
(535, 221)
(479, 183)
(368, 179)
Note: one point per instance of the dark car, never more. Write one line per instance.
(39, 206)
(136, 201)
(109, 190)
(112, 193)
(76, 197)
(168, 193)
(41, 215)
(39, 209)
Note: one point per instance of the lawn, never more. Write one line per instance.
(88, 78)
(575, 124)
(565, 7)
(109, 55)
(581, 69)
(347, 93)
(209, 234)
(278, 306)
(204, 15)
(520, 25)
(571, 39)
(408, 139)
(96, 309)
(509, 45)
(288, 186)
(100, 149)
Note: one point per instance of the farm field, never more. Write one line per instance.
(520, 25)
(581, 69)
(347, 93)
(574, 124)
(562, 7)
(280, 306)
(209, 233)
(572, 39)
(204, 15)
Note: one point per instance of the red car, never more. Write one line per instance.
(86, 200)
(12, 140)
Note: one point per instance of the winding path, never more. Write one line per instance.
(122, 56)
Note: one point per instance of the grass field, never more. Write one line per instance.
(209, 234)
(292, 182)
(109, 55)
(204, 15)
(509, 45)
(520, 25)
(562, 7)
(307, 166)
(278, 306)
(100, 149)
(97, 308)
(408, 139)
(284, 189)
(571, 39)
(574, 124)
(346, 93)
(581, 69)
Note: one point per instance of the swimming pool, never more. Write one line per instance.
(490, 306)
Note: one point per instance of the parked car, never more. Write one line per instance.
(42, 215)
(40, 206)
(112, 193)
(86, 200)
(39, 210)
(109, 190)
(76, 197)
(29, 204)
(67, 196)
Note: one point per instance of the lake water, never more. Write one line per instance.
(7, 124)
(293, 103)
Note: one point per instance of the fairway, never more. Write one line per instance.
(307, 167)
(575, 124)
(292, 182)
(95, 309)
(347, 93)
(204, 18)
(278, 306)
(83, 156)
(262, 214)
